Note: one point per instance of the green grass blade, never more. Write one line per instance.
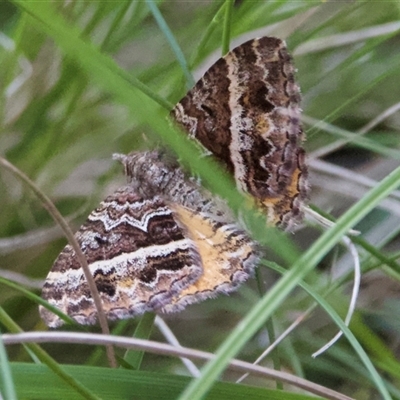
(35, 381)
(74, 384)
(114, 80)
(270, 302)
(226, 33)
(172, 42)
(7, 387)
(142, 331)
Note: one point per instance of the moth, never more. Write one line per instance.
(162, 241)
(157, 244)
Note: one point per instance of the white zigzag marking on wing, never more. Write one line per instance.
(141, 224)
(137, 260)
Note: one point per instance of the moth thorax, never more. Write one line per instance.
(149, 173)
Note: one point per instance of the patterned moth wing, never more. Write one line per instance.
(139, 256)
(158, 244)
(228, 256)
(227, 253)
(245, 111)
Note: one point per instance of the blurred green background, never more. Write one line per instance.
(60, 125)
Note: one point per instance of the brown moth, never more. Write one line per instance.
(157, 244)
(163, 241)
